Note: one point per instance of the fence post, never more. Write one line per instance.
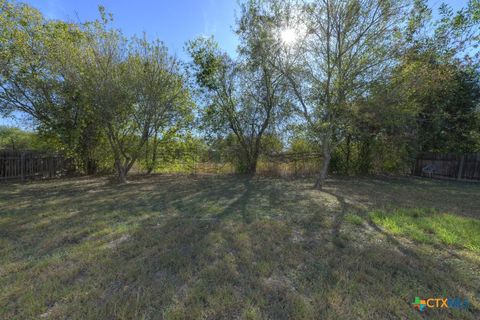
(460, 167)
(415, 167)
(22, 166)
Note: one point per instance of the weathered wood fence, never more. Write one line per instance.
(29, 165)
(449, 165)
(299, 164)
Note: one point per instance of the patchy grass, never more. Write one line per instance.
(354, 218)
(219, 247)
(429, 226)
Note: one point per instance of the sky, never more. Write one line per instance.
(172, 21)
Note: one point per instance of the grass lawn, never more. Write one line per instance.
(225, 247)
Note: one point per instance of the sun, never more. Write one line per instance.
(288, 36)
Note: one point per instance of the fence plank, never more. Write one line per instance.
(23, 165)
(449, 165)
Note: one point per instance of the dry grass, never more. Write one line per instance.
(176, 247)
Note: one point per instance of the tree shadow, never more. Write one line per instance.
(220, 247)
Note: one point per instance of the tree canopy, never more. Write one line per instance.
(369, 84)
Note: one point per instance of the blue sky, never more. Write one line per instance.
(172, 21)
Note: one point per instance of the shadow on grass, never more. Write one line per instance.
(228, 268)
(171, 247)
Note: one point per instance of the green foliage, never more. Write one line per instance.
(41, 76)
(208, 62)
(137, 90)
(272, 144)
(428, 102)
(86, 86)
(244, 98)
(175, 152)
(370, 96)
(444, 97)
(18, 140)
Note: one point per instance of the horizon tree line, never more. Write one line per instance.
(354, 80)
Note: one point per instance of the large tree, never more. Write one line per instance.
(439, 74)
(245, 96)
(40, 77)
(162, 97)
(341, 47)
(88, 85)
(136, 88)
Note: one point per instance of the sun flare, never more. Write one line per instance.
(288, 36)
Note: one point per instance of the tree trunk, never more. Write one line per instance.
(325, 165)
(349, 150)
(252, 167)
(91, 166)
(365, 156)
(250, 163)
(153, 164)
(121, 171)
(122, 175)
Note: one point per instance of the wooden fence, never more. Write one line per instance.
(449, 165)
(30, 165)
(283, 164)
(298, 164)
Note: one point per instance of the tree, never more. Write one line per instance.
(27, 80)
(345, 45)
(16, 139)
(164, 102)
(40, 76)
(86, 85)
(426, 102)
(444, 96)
(137, 90)
(247, 96)
(439, 74)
